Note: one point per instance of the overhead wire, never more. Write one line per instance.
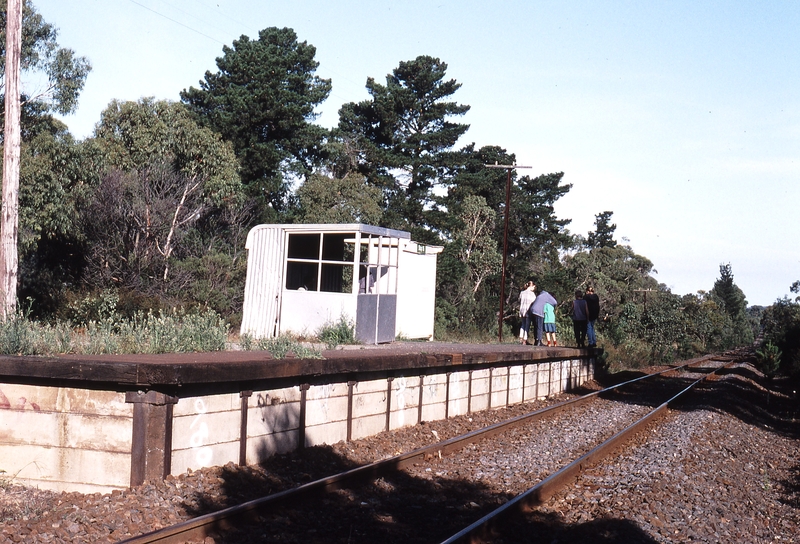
(234, 20)
(176, 21)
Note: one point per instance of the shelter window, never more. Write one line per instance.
(320, 262)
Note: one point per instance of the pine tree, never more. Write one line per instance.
(735, 306)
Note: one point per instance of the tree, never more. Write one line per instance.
(780, 324)
(327, 199)
(406, 140)
(262, 100)
(29, 46)
(42, 59)
(616, 273)
(535, 234)
(477, 247)
(134, 135)
(464, 302)
(57, 177)
(603, 235)
(734, 304)
(11, 139)
(167, 186)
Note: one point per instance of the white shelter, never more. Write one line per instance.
(302, 277)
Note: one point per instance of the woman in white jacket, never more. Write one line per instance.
(526, 298)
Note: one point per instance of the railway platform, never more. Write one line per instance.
(98, 423)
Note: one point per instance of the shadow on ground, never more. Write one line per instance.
(404, 509)
(394, 509)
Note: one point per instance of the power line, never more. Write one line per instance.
(177, 22)
(238, 22)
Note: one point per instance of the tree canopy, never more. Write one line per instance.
(603, 235)
(734, 304)
(64, 72)
(406, 138)
(262, 101)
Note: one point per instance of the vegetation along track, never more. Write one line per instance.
(530, 456)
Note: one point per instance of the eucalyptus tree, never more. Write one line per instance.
(535, 234)
(262, 99)
(166, 187)
(533, 241)
(57, 177)
(325, 198)
(29, 46)
(61, 73)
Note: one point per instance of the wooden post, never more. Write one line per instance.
(389, 381)
(301, 428)
(151, 437)
(508, 168)
(245, 401)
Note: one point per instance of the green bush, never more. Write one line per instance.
(339, 333)
(22, 336)
(93, 308)
(165, 332)
(769, 359)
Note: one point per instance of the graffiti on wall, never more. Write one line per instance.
(269, 417)
(198, 441)
(21, 404)
(400, 397)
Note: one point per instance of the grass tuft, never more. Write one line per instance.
(343, 332)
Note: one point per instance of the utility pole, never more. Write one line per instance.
(508, 168)
(9, 219)
(645, 291)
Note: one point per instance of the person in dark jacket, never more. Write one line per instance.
(593, 305)
(580, 318)
(537, 309)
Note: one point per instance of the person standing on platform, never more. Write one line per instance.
(526, 298)
(537, 309)
(593, 307)
(550, 325)
(580, 318)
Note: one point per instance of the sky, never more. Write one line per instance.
(680, 117)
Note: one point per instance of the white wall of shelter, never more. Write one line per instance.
(303, 277)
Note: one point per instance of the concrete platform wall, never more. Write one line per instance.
(64, 438)
(81, 440)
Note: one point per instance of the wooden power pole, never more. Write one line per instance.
(9, 219)
(508, 168)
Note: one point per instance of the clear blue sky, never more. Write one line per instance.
(681, 117)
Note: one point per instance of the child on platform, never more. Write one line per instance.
(550, 324)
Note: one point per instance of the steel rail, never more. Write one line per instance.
(206, 524)
(480, 531)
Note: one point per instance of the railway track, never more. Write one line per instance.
(535, 462)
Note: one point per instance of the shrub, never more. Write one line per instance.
(164, 332)
(93, 308)
(336, 334)
(769, 359)
(22, 336)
